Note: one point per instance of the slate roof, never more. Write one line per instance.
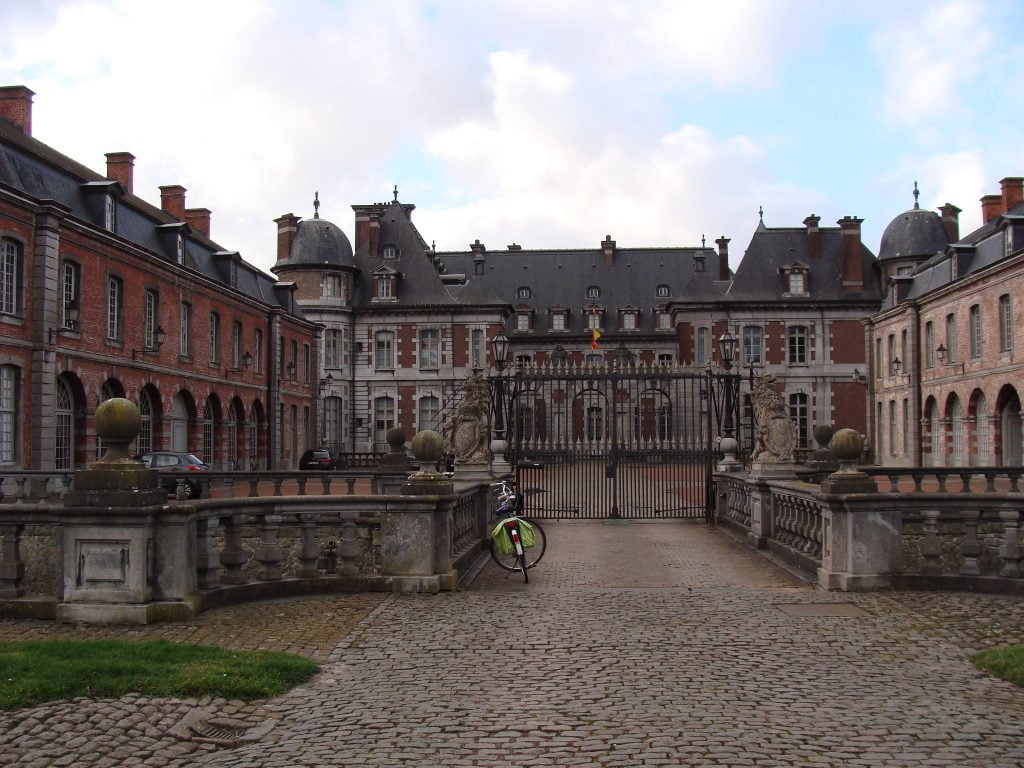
(759, 276)
(914, 234)
(560, 278)
(983, 247)
(421, 283)
(319, 242)
(37, 170)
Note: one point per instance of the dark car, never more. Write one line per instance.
(174, 461)
(320, 458)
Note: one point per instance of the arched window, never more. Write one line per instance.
(593, 292)
(383, 420)
(663, 292)
(11, 277)
(208, 433)
(144, 442)
(64, 411)
(332, 422)
(956, 424)
(254, 438)
(798, 413)
(982, 437)
(234, 418)
(935, 433)
(9, 416)
(524, 293)
(1010, 427)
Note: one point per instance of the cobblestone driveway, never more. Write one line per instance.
(646, 644)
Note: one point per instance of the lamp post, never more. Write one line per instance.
(727, 352)
(499, 355)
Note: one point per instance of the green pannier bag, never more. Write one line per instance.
(503, 542)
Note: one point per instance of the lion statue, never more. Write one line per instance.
(776, 433)
(469, 427)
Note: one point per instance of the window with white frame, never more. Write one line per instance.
(558, 321)
(702, 346)
(144, 440)
(430, 348)
(384, 349)
(428, 410)
(929, 344)
(753, 344)
(595, 422)
(185, 330)
(797, 283)
(891, 348)
(332, 422)
(951, 352)
(593, 292)
(70, 284)
(150, 313)
(115, 307)
(1005, 323)
(893, 441)
(109, 213)
(385, 287)
(974, 319)
(10, 277)
(594, 320)
(346, 345)
(236, 345)
(330, 348)
(383, 419)
(179, 249)
(629, 320)
(333, 287)
(799, 415)
(64, 421)
(665, 358)
(306, 363)
(477, 348)
(214, 338)
(878, 358)
(524, 293)
(664, 320)
(797, 342)
(9, 416)
(389, 252)
(662, 292)
(522, 321)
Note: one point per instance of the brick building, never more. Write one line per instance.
(946, 373)
(103, 295)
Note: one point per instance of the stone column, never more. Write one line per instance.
(129, 557)
(416, 535)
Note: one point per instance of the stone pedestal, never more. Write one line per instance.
(862, 547)
(499, 467)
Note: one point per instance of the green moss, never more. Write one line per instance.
(1007, 662)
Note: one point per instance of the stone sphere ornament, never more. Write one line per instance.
(823, 434)
(395, 438)
(847, 445)
(428, 448)
(118, 422)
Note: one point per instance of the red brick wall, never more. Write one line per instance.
(406, 335)
(848, 398)
(847, 341)
(685, 349)
(774, 343)
(460, 346)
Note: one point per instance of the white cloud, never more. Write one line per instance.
(928, 55)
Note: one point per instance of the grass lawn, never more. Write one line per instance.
(35, 672)
(1007, 663)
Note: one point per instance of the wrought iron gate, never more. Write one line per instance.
(603, 442)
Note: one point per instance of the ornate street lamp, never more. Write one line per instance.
(727, 352)
(941, 353)
(897, 365)
(499, 354)
(325, 382)
(727, 349)
(499, 351)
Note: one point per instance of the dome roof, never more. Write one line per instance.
(318, 241)
(914, 234)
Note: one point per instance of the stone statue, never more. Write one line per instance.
(776, 433)
(469, 428)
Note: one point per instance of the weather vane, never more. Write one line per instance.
(396, 192)
(316, 205)
(760, 213)
(916, 193)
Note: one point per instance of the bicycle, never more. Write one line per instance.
(518, 554)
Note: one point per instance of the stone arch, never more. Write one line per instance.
(1008, 428)
(955, 437)
(234, 435)
(211, 421)
(70, 422)
(257, 448)
(980, 438)
(182, 421)
(932, 432)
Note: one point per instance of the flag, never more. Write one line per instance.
(594, 336)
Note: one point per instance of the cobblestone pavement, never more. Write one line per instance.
(660, 644)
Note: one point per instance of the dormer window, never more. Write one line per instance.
(233, 273)
(664, 319)
(628, 318)
(558, 318)
(385, 284)
(524, 293)
(1008, 240)
(795, 277)
(698, 263)
(179, 249)
(523, 317)
(593, 292)
(662, 292)
(109, 213)
(595, 317)
(390, 252)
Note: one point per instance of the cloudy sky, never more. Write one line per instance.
(550, 123)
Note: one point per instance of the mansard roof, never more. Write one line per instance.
(424, 280)
(560, 277)
(39, 172)
(772, 249)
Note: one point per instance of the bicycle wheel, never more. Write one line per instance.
(524, 567)
(533, 555)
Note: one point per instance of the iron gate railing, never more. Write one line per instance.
(606, 442)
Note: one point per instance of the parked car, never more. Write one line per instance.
(173, 461)
(320, 458)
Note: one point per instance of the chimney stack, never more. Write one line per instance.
(608, 247)
(850, 252)
(991, 206)
(199, 220)
(723, 257)
(121, 168)
(1013, 191)
(16, 106)
(951, 221)
(172, 200)
(813, 236)
(287, 226)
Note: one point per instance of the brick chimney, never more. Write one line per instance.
(850, 253)
(287, 226)
(16, 106)
(121, 168)
(813, 236)
(1013, 191)
(199, 220)
(991, 206)
(951, 221)
(723, 257)
(608, 248)
(172, 200)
